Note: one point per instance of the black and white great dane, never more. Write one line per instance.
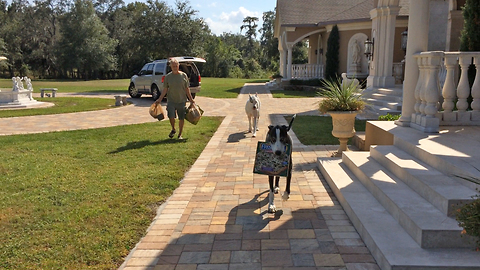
(278, 137)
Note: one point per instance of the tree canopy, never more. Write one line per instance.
(101, 39)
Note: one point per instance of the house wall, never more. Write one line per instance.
(298, 33)
(345, 37)
(437, 36)
(398, 53)
(455, 25)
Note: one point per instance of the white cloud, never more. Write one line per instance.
(231, 22)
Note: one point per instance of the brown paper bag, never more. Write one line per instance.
(156, 111)
(194, 113)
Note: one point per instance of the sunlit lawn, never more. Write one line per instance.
(293, 94)
(83, 199)
(69, 86)
(63, 105)
(317, 130)
(211, 87)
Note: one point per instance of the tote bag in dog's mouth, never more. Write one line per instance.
(267, 162)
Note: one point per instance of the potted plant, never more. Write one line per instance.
(277, 77)
(342, 101)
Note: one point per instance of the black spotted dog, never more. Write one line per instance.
(278, 137)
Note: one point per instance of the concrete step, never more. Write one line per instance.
(451, 153)
(373, 112)
(429, 227)
(444, 192)
(398, 92)
(391, 246)
(386, 97)
(387, 104)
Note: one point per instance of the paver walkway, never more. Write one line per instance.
(217, 218)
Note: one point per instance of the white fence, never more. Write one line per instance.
(307, 71)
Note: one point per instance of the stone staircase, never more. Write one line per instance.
(382, 101)
(402, 199)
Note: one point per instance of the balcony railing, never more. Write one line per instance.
(307, 71)
(446, 104)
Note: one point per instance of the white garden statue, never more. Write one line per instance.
(356, 55)
(347, 81)
(28, 81)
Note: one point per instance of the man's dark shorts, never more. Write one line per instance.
(178, 107)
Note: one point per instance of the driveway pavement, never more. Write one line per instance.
(217, 218)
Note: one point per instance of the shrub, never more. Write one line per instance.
(310, 82)
(389, 117)
(332, 54)
(468, 218)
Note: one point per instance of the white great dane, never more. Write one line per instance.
(252, 109)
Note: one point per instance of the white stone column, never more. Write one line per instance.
(281, 68)
(289, 61)
(383, 28)
(417, 42)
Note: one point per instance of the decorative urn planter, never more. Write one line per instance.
(278, 79)
(342, 100)
(343, 128)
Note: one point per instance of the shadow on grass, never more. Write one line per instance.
(141, 144)
(234, 90)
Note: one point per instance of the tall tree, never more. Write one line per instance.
(85, 44)
(250, 24)
(470, 35)
(186, 33)
(332, 54)
(300, 53)
(13, 35)
(270, 53)
(221, 58)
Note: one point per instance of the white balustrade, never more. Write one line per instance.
(475, 114)
(307, 71)
(441, 100)
(449, 88)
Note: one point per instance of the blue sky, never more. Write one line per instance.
(226, 15)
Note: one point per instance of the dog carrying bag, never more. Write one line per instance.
(194, 113)
(156, 111)
(267, 162)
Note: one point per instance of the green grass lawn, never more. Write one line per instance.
(70, 86)
(83, 199)
(293, 94)
(211, 87)
(63, 105)
(317, 130)
(224, 87)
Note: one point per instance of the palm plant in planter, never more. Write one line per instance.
(342, 101)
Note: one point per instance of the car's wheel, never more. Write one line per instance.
(193, 95)
(155, 92)
(133, 92)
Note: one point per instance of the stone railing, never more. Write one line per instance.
(307, 71)
(448, 105)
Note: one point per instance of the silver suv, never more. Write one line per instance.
(150, 79)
